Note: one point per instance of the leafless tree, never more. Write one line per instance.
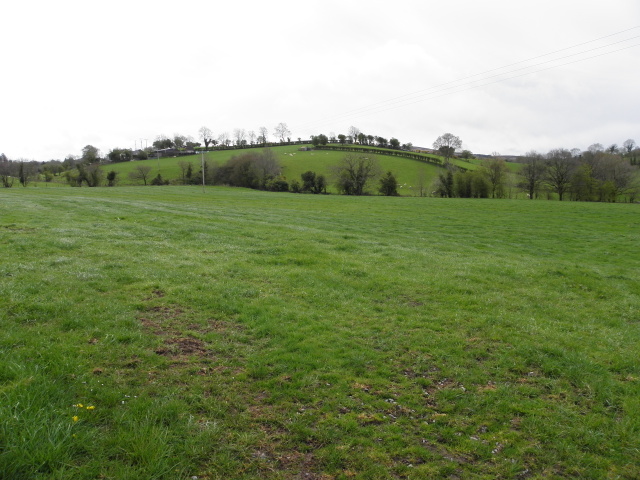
(180, 140)
(266, 166)
(560, 167)
(533, 173)
(264, 135)
(7, 171)
(206, 136)
(421, 182)
(355, 172)
(628, 145)
(252, 137)
(282, 131)
(623, 176)
(141, 172)
(496, 170)
(184, 168)
(239, 135)
(353, 133)
(224, 139)
(596, 147)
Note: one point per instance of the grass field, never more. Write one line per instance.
(167, 333)
(293, 161)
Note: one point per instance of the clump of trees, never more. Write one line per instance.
(597, 174)
(257, 170)
(488, 181)
(388, 185)
(354, 174)
(311, 183)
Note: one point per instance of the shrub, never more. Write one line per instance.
(159, 181)
(388, 185)
(294, 186)
(277, 184)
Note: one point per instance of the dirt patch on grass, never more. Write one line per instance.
(441, 451)
(168, 322)
(182, 346)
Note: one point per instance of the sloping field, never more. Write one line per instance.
(293, 161)
(167, 333)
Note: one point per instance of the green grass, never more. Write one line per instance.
(244, 334)
(293, 161)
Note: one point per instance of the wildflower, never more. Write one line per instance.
(91, 407)
(76, 418)
(79, 405)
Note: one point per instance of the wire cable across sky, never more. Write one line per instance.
(455, 86)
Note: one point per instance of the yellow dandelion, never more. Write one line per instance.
(76, 418)
(79, 405)
(90, 407)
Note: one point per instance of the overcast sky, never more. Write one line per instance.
(109, 73)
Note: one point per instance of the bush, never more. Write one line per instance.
(250, 170)
(159, 181)
(277, 185)
(388, 185)
(112, 177)
(294, 186)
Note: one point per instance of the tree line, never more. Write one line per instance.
(596, 174)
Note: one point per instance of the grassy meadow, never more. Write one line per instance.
(167, 333)
(293, 162)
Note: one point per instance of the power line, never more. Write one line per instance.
(408, 99)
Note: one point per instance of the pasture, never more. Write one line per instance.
(293, 161)
(167, 333)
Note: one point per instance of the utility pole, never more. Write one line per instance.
(202, 155)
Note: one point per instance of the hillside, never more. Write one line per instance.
(293, 161)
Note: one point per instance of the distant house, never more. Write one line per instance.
(305, 149)
(172, 152)
(166, 152)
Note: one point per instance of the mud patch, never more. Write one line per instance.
(187, 346)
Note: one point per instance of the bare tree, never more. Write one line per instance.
(282, 131)
(179, 141)
(264, 135)
(239, 135)
(596, 147)
(560, 167)
(6, 171)
(353, 133)
(621, 175)
(141, 172)
(355, 172)
(252, 137)
(495, 169)
(447, 145)
(628, 145)
(184, 168)
(206, 136)
(421, 182)
(533, 173)
(224, 139)
(266, 166)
